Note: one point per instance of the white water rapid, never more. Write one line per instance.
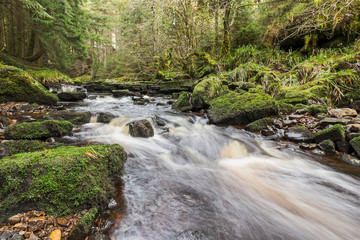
(223, 182)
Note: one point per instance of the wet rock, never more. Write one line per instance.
(55, 235)
(192, 235)
(299, 134)
(71, 96)
(33, 237)
(260, 124)
(122, 93)
(327, 146)
(296, 116)
(342, 112)
(112, 204)
(333, 133)
(141, 101)
(355, 143)
(4, 122)
(269, 131)
(6, 235)
(159, 121)
(343, 146)
(36, 223)
(288, 122)
(141, 128)
(99, 236)
(77, 118)
(353, 128)
(351, 136)
(331, 121)
(15, 219)
(38, 130)
(17, 237)
(63, 222)
(308, 146)
(354, 161)
(105, 117)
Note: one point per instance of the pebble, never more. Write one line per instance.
(55, 235)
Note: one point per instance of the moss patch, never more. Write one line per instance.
(241, 108)
(22, 146)
(183, 102)
(260, 124)
(333, 133)
(38, 130)
(60, 181)
(16, 85)
(77, 118)
(355, 143)
(286, 108)
(315, 110)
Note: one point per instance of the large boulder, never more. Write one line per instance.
(141, 128)
(72, 96)
(334, 133)
(77, 118)
(38, 130)
(18, 86)
(60, 181)
(241, 108)
(209, 88)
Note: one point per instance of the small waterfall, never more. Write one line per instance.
(223, 182)
(94, 119)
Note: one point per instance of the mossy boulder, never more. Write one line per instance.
(105, 117)
(71, 96)
(183, 102)
(209, 88)
(17, 85)
(77, 118)
(241, 108)
(260, 124)
(334, 133)
(315, 110)
(122, 93)
(355, 143)
(60, 181)
(38, 130)
(327, 146)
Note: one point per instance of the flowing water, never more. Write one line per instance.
(221, 181)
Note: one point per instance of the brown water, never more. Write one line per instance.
(222, 181)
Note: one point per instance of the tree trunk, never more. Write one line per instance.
(216, 37)
(225, 47)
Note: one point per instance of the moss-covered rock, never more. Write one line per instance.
(286, 108)
(60, 181)
(327, 146)
(241, 108)
(122, 93)
(71, 96)
(38, 130)
(355, 143)
(315, 110)
(209, 88)
(183, 102)
(17, 85)
(77, 118)
(260, 124)
(82, 229)
(334, 133)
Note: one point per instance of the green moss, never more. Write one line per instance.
(61, 181)
(16, 85)
(314, 110)
(286, 108)
(260, 124)
(333, 133)
(88, 218)
(183, 101)
(38, 130)
(209, 88)
(355, 143)
(49, 76)
(241, 108)
(312, 90)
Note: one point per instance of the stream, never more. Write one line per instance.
(222, 182)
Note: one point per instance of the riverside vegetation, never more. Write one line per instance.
(287, 70)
